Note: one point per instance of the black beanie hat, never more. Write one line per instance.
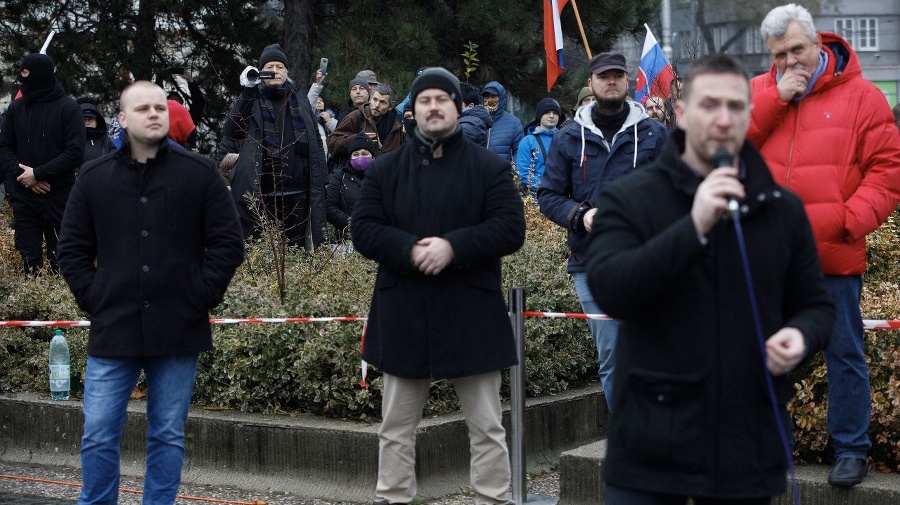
(440, 78)
(40, 72)
(273, 52)
(545, 106)
(361, 141)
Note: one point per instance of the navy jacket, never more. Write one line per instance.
(581, 163)
(507, 131)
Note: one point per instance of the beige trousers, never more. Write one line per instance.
(401, 410)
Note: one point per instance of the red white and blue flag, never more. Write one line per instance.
(553, 40)
(655, 74)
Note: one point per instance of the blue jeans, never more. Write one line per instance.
(849, 394)
(107, 387)
(603, 331)
(620, 496)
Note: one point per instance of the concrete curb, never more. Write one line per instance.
(580, 483)
(304, 454)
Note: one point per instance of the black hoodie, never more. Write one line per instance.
(45, 132)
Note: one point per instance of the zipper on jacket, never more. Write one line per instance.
(787, 173)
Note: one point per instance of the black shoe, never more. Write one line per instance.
(847, 472)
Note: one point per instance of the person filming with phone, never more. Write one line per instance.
(281, 159)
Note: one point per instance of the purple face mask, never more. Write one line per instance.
(362, 163)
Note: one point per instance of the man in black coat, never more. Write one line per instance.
(281, 162)
(700, 368)
(150, 241)
(41, 145)
(438, 214)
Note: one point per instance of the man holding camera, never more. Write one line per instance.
(281, 159)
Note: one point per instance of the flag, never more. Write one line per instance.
(655, 73)
(553, 40)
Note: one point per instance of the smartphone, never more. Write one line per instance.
(323, 65)
(175, 70)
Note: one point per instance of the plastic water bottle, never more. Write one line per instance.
(59, 367)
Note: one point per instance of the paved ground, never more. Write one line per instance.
(49, 488)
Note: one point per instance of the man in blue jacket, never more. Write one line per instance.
(505, 135)
(609, 138)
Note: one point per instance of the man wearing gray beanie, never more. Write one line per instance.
(438, 214)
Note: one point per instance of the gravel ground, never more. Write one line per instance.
(19, 491)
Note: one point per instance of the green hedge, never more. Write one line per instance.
(315, 367)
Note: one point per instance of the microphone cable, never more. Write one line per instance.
(751, 292)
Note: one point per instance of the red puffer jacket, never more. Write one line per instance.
(838, 149)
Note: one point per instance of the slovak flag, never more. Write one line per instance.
(553, 40)
(655, 73)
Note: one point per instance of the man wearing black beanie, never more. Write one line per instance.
(41, 144)
(281, 160)
(438, 214)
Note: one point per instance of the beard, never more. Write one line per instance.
(610, 104)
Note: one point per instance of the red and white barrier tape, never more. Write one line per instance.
(868, 324)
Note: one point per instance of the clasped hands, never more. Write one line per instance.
(431, 255)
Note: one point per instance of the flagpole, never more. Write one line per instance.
(587, 48)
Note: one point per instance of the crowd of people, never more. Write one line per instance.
(661, 202)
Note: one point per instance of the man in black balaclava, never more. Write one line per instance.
(41, 144)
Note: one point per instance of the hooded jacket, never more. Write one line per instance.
(580, 163)
(46, 133)
(505, 135)
(838, 148)
(530, 160)
(476, 124)
(97, 142)
(692, 411)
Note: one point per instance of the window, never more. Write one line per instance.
(844, 28)
(753, 43)
(861, 33)
(867, 34)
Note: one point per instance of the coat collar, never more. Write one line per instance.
(758, 183)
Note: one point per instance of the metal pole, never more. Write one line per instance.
(667, 29)
(517, 397)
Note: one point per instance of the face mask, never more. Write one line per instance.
(492, 104)
(362, 163)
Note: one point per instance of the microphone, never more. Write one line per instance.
(722, 158)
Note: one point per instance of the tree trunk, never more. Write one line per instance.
(145, 40)
(299, 30)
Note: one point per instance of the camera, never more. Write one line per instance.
(255, 74)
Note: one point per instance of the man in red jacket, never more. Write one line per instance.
(828, 135)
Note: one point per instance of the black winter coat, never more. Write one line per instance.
(341, 195)
(453, 324)
(691, 414)
(166, 241)
(244, 129)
